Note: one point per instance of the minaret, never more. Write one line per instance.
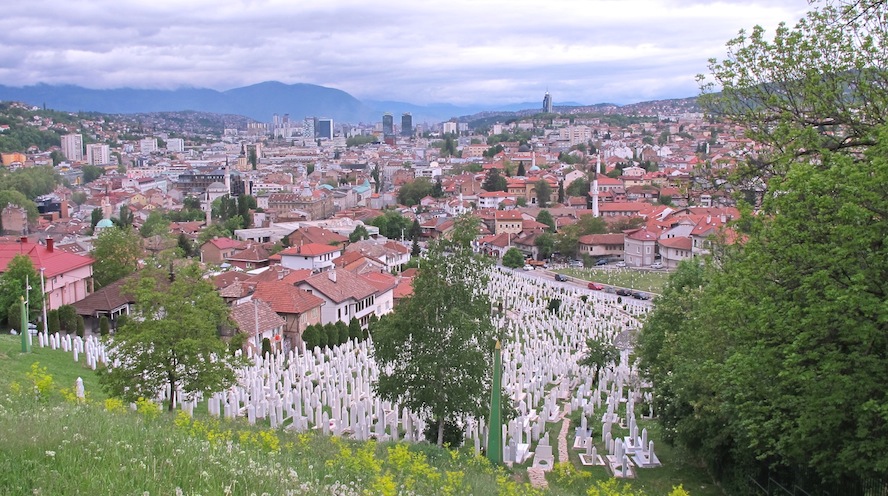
(595, 186)
(227, 178)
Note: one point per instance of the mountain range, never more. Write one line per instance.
(259, 101)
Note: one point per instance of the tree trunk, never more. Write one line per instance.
(441, 432)
(172, 380)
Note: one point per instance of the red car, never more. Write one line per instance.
(595, 286)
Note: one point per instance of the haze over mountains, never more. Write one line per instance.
(258, 101)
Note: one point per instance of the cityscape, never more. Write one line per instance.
(280, 288)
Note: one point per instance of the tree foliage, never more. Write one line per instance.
(543, 193)
(412, 192)
(391, 224)
(801, 303)
(117, 252)
(578, 187)
(12, 287)
(435, 349)
(821, 85)
(544, 217)
(172, 339)
(493, 181)
(513, 258)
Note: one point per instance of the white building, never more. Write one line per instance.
(98, 154)
(175, 145)
(148, 145)
(313, 256)
(72, 147)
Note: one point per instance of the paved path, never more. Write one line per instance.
(563, 455)
(537, 478)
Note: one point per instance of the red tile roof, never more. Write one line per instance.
(310, 250)
(285, 298)
(255, 317)
(55, 262)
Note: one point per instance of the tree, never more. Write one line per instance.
(332, 333)
(253, 157)
(544, 217)
(13, 197)
(568, 238)
(155, 225)
(415, 249)
(818, 86)
(545, 244)
(57, 158)
(412, 192)
(125, 217)
(578, 187)
(68, 318)
(116, 252)
(543, 192)
(391, 224)
(342, 329)
(415, 230)
(358, 234)
(20, 272)
(521, 172)
(599, 354)
(354, 330)
(493, 181)
(435, 350)
(172, 341)
(513, 258)
(185, 244)
(96, 216)
(104, 325)
(91, 173)
(560, 192)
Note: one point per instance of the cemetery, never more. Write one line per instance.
(560, 415)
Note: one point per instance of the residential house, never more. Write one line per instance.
(216, 250)
(640, 247)
(345, 296)
(67, 278)
(109, 302)
(313, 256)
(297, 307)
(602, 245)
(258, 321)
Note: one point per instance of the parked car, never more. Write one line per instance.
(624, 292)
(620, 264)
(560, 277)
(576, 263)
(610, 289)
(595, 286)
(600, 262)
(528, 267)
(638, 295)
(656, 265)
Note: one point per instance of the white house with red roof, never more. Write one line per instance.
(345, 296)
(640, 247)
(67, 277)
(313, 256)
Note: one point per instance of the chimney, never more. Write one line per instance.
(50, 244)
(64, 209)
(332, 274)
(724, 219)
(24, 239)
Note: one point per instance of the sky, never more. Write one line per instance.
(416, 51)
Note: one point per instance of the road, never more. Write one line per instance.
(581, 284)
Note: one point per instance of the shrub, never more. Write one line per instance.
(104, 325)
(266, 347)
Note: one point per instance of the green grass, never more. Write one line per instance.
(645, 280)
(59, 364)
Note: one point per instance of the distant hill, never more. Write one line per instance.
(261, 101)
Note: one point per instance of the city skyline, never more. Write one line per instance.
(458, 52)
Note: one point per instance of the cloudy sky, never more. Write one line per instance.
(454, 51)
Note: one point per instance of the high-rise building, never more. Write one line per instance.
(147, 145)
(406, 124)
(98, 154)
(450, 127)
(388, 124)
(325, 128)
(547, 103)
(176, 145)
(309, 127)
(72, 147)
